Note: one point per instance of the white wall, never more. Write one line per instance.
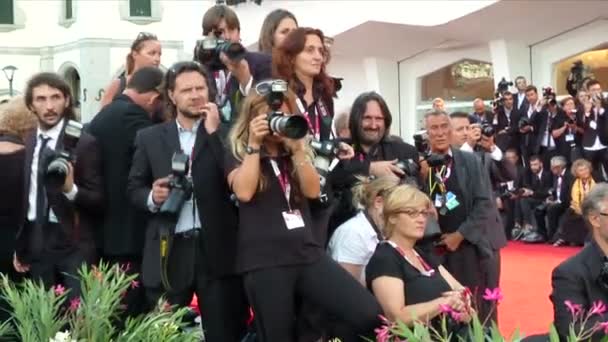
(546, 54)
(412, 70)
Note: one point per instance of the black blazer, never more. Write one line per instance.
(541, 186)
(509, 138)
(477, 201)
(154, 147)
(576, 280)
(565, 195)
(79, 217)
(115, 127)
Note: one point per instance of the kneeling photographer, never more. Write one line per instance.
(177, 176)
(377, 153)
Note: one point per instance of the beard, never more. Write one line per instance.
(371, 137)
(190, 114)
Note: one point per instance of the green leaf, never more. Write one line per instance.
(553, 335)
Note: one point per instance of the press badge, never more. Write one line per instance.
(569, 137)
(293, 219)
(227, 111)
(452, 202)
(438, 200)
(593, 124)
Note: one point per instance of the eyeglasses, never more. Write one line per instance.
(413, 213)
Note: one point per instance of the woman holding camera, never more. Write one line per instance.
(273, 179)
(407, 282)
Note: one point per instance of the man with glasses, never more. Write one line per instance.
(189, 247)
(582, 280)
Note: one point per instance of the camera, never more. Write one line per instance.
(290, 126)
(179, 183)
(207, 51)
(503, 86)
(523, 122)
(488, 130)
(325, 153)
(577, 71)
(421, 141)
(58, 168)
(409, 167)
(550, 96)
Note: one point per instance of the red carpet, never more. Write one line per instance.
(526, 284)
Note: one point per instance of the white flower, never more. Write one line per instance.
(62, 336)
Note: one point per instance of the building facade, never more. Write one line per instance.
(409, 51)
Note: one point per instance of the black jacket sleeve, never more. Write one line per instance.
(140, 176)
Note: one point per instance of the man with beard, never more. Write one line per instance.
(377, 153)
(193, 249)
(56, 236)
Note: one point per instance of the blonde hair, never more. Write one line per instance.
(16, 119)
(580, 163)
(401, 197)
(366, 190)
(238, 137)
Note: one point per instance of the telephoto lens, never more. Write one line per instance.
(56, 172)
(290, 126)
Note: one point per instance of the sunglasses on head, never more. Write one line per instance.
(146, 36)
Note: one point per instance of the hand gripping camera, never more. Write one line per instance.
(287, 125)
(325, 154)
(207, 51)
(58, 168)
(550, 96)
(179, 183)
(421, 141)
(501, 87)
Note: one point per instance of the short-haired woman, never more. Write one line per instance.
(409, 285)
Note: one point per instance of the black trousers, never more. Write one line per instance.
(548, 220)
(59, 269)
(491, 280)
(222, 301)
(528, 207)
(273, 293)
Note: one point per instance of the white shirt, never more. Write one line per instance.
(354, 242)
(53, 135)
(597, 145)
(520, 99)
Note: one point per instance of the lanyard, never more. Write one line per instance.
(443, 174)
(315, 128)
(283, 178)
(428, 270)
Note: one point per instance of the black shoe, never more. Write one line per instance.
(533, 237)
(517, 233)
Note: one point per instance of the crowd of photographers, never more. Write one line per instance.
(230, 177)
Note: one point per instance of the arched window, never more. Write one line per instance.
(595, 65)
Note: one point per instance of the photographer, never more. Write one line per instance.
(63, 179)
(178, 177)
(583, 279)
(566, 132)
(593, 122)
(507, 135)
(531, 116)
(546, 124)
(282, 261)
(535, 185)
(575, 78)
(234, 75)
(377, 153)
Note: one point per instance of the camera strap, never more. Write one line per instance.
(283, 178)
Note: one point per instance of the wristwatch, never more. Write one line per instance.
(251, 150)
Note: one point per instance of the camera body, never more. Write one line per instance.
(58, 168)
(550, 96)
(487, 129)
(503, 86)
(421, 141)
(290, 126)
(523, 122)
(207, 51)
(409, 167)
(179, 183)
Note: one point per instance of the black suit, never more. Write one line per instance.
(554, 211)
(69, 243)
(540, 191)
(530, 142)
(206, 264)
(597, 157)
(575, 280)
(508, 130)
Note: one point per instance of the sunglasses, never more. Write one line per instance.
(146, 36)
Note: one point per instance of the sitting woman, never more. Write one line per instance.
(354, 241)
(409, 286)
(572, 229)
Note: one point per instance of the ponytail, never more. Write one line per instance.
(366, 190)
(130, 64)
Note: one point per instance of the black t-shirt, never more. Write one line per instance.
(418, 288)
(264, 240)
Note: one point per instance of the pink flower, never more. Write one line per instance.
(134, 284)
(382, 334)
(58, 289)
(575, 309)
(384, 319)
(446, 309)
(457, 316)
(493, 295)
(602, 325)
(75, 304)
(597, 308)
(125, 267)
